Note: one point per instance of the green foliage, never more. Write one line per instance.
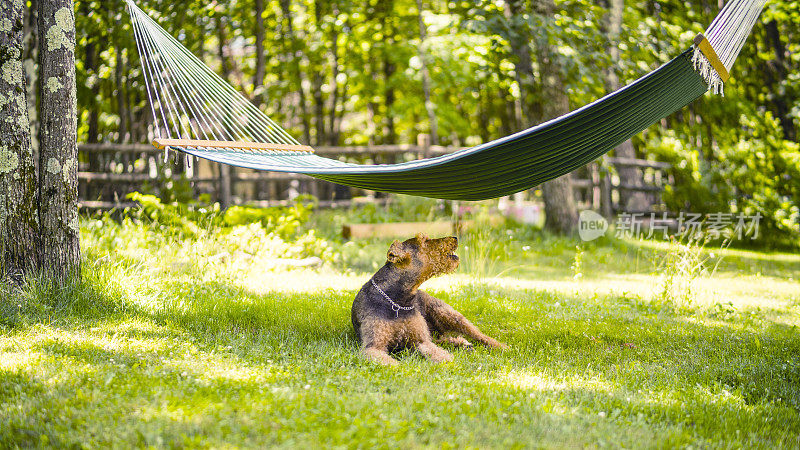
(394, 208)
(282, 221)
(754, 171)
(357, 68)
(172, 216)
(188, 219)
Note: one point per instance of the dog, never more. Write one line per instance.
(390, 312)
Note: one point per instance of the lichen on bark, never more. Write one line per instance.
(3, 211)
(53, 84)
(9, 161)
(58, 33)
(66, 172)
(11, 71)
(74, 223)
(53, 166)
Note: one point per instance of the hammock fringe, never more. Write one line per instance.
(703, 66)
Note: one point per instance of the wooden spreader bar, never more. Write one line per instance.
(162, 143)
(702, 43)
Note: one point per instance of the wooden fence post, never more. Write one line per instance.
(424, 143)
(606, 207)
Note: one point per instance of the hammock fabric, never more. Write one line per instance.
(213, 121)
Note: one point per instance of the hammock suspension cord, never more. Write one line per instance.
(726, 35)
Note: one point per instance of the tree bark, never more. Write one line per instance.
(225, 184)
(389, 97)
(18, 214)
(90, 65)
(59, 250)
(561, 215)
(426, 78)
(91, 68)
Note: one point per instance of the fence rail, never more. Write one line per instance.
(108, 172)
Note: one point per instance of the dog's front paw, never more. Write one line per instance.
(389, 362)
(496, 344)
(442, 357)
(434, 352)
(380, 357)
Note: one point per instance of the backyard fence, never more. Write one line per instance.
(108, 172)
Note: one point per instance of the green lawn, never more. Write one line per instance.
(207, 341)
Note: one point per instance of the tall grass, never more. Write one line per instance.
(679, 267)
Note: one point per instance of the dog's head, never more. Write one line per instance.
(424, 258)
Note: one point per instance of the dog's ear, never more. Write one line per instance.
(397, 253)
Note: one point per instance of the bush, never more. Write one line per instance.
(750, 169)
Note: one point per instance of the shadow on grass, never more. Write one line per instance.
(94, 297)
(133, 397)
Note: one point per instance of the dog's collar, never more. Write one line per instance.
(395, 307)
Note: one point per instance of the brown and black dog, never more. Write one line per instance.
(391, 313)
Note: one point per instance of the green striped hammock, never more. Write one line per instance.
(196, 112)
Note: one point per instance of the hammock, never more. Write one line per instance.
(196, 112)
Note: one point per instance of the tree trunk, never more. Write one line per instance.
(18, 214)
(258, 77)
(91, 68)
(119, 81)
(389, 96)
(776, 74)
(90, 65)
(30, 62)
(628, 175)
(319, 104)
(59, 250)
(426, 78)
(518, 40)
(294, 61)
(561, 215)
(225, 184)
(389, 69)
(333, 138)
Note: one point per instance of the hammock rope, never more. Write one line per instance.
(197, 112)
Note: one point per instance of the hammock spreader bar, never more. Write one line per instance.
(214, 122)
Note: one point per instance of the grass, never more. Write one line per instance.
(206, 341)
